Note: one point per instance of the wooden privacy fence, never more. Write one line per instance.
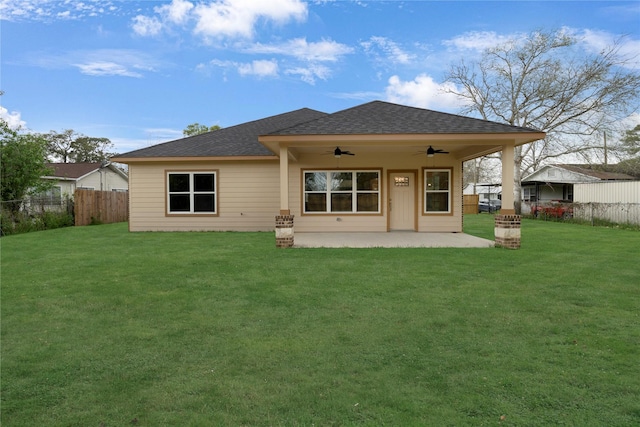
(470, 203)
(100, 207)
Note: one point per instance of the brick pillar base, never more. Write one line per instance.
(284, 231)
(507, 231)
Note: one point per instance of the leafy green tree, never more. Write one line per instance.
(69, 146)
(23, 159)
(91, 150)
(197, 129)
(630, 143)
(629, 150)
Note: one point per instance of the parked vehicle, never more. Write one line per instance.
(489, 205)
(555, 209)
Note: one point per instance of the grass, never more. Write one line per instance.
(101, 327)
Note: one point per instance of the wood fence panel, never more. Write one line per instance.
(104, 207)
(470, 203)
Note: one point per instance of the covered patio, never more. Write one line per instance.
(394, 239)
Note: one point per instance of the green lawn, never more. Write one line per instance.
(101, 327)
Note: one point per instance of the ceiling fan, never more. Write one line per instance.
(338, 152)
(430, 152)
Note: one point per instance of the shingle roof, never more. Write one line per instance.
(239, 140)
(378, 117)
(602, 172)
(72, 170)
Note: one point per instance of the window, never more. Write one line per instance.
(342, 192)
(191, 192)
(437, 194)
(529, 194)
(51, 197)
(401, 181)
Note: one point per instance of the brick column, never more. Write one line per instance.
(507, 231)
(284, 231)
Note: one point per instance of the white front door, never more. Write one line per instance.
(402, 194)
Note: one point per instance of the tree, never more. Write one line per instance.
(630, 143)
(71, 147)
(544, 82)
(629, 148)
(197, 129)
(23, 160)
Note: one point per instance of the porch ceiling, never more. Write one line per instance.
(461, 147)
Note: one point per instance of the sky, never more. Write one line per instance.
(139, 72)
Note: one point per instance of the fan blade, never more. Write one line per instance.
(338, 152)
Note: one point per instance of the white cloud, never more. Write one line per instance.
(391, 51)
(422, 92)
(597, 41)
(631, 121)
(101, 62)
(237, 18)
(49, 10)
(220, 18)
(323, 51)
(177, 11)
(13, 119)
(146, 26)
(478, 40)
(261, 68)
(104, 68)
(310, 73)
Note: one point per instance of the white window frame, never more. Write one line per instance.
(426, 191)
(354, 192)
(192, 192)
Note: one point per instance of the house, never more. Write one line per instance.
(68, 177)
(376, 167)
(484, 190)
(555, 183)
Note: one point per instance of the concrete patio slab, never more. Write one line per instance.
(396, 239)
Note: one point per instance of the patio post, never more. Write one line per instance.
(507, 223)
(284, 221)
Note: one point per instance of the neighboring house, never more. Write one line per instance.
(376, 167)
(68, 177)
(555, 183)
(484, 190)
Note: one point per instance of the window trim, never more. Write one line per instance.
(424, 211)
(191, 172)
(354, 191)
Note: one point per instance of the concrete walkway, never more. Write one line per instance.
(395, 239)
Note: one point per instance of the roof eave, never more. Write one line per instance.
(128, 160)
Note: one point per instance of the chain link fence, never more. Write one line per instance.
(35, 214)
(592, 212)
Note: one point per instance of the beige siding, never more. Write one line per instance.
(249, 199)
(248, 196)
(374, 223)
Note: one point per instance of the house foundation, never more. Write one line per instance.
(507, 231)
(284, 231)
